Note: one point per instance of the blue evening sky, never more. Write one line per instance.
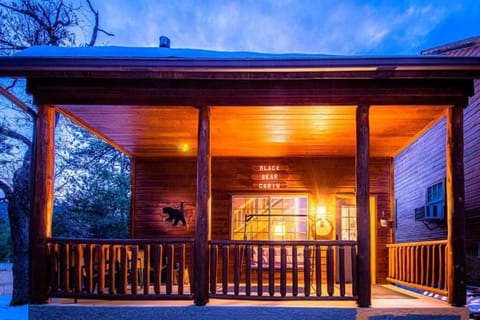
(384, 27)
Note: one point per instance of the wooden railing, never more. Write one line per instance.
(290, 270)
(420, 265)
(120, 269)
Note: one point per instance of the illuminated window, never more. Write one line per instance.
(349, 223)
(279, 217)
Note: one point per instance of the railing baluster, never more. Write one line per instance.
(89, 268)
(330, 279)
(169, 269)
(213, 268)
(146, 267)
(112, 269)
(294, 270)
(157, 254)
(236, 267)
(181, 268)
(271, 270)
(318, 270)
(306, 271)
(100, 251)
(248, 270)
(225, 252)
(341, 276)
(65, 267)
(134, 271)
(260, 270)
(283, 271)
(123, 270)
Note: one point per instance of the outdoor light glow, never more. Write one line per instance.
(185, 147)
(321, 212)
(279, 229)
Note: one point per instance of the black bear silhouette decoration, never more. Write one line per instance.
(175, 215)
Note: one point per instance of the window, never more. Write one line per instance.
(435, 201)
(349, 223)
(270, 217)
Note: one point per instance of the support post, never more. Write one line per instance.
(41, 219)
(202, 223)
(363, 206)
(455, 191)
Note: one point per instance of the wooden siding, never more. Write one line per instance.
(472, 169)
(415, 169)
(423, 163)
(164, 182)
(278, 131)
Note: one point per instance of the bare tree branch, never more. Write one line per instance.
(15, 135)
(22, 105)
(96, 29)
(7, 190)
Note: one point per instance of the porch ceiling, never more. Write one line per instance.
(253, 131)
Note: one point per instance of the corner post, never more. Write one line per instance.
(363, 206)
(202, 223)
(41, 219)
(455, 192)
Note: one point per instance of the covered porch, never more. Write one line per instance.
(204, 120)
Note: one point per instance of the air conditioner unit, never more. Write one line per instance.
(434, 212)
(419, 213)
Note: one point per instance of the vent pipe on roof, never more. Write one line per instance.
(164, 42)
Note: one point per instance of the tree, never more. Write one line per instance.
(92, 201)
(25, 23)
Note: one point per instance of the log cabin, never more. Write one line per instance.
(282, 166)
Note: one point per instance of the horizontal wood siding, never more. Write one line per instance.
(423, 163)
(415, 169)
(472, 169)
(168, 181)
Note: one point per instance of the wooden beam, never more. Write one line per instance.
(456, 266)
(202, 223)
(250, 92)
(41, 220)
(363, 206)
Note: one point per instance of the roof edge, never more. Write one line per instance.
(461, 44)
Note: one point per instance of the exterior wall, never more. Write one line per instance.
(167, 182)
(472, 171)
(417, 167)
(423, 163)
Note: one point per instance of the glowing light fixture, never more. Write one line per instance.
(279, 230)
(321, 212)
(185, 147)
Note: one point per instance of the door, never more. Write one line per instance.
(347, 230)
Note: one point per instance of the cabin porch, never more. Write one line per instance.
(345, 116)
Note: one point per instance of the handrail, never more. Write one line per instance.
(420, 265)
(120, 269)
(286, 270)
(419, 243)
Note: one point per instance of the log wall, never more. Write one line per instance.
(169, 181)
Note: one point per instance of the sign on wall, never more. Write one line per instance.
(269, 176)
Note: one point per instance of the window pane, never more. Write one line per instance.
(269, 217)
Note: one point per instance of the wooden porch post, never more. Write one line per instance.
(363, 206)
(202, 223)
(41, 220)
(456, 263)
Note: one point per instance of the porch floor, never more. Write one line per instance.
(388, 302)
